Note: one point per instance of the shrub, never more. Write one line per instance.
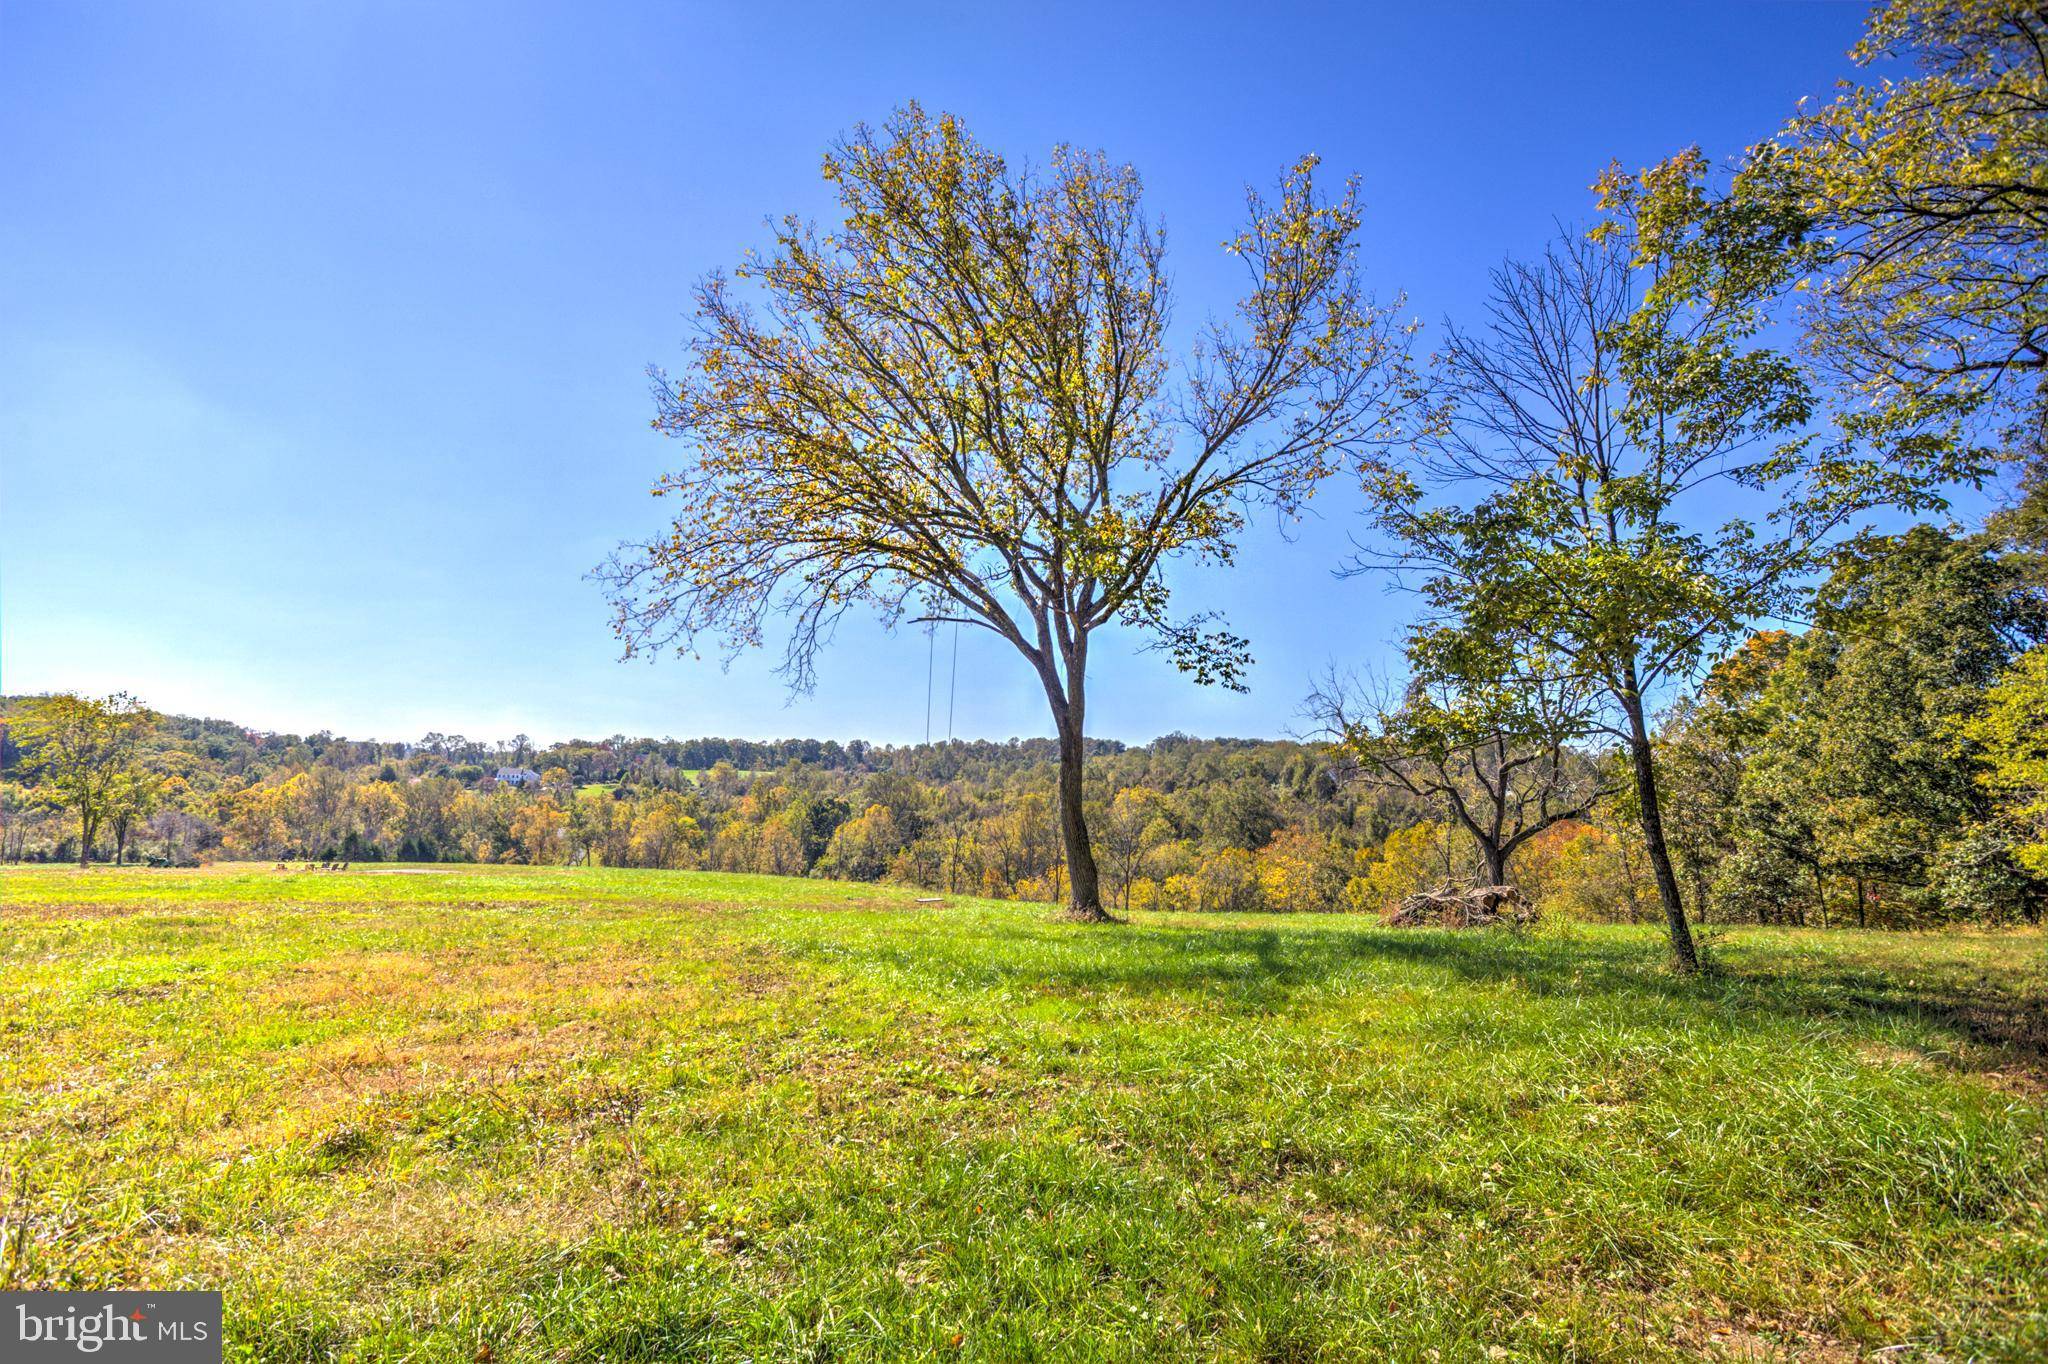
(1412, 859)
(1226, 882)
(1299, 872)
(1586, 877)
(1756, 882)
(1180, 893)
(1977, 876)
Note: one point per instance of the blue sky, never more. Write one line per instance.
(322, 326)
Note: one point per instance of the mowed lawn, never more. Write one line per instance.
(507, 1114)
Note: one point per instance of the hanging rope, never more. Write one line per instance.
(931, 638)
(952, 844)
(953, 682)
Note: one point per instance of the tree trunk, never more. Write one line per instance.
(87, 828)
(1496, 863)
(1084, 891)
(1683, 954)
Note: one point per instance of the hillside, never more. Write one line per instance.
(497, 1114)
(957, 815)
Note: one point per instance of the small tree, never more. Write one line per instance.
(1495, 752)
(87, 752)
(960, 404)
(1131, 823)
(1617, 387)
(131, 799)
(537, 831)
(2012, 736)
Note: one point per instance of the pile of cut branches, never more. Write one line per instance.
(1464, 907)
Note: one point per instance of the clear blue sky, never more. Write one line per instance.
(322, 326)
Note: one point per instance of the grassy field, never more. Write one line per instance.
(491, 1115)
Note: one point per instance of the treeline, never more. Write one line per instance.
(1847, 774)
(230, 750)
(971, 816)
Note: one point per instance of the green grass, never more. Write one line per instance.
(491, 1115)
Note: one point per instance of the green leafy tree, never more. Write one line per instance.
(813, 818)
(1916, 204)
(958, 403)
(1864, 768)
(1240, 814)
(1616, 396)
(2011, 736)
(87, 752)
(131, 799)
(2022, 524)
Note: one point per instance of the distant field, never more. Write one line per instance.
(692, 773)
(490, 1115)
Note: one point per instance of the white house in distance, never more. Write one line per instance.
(518, 776)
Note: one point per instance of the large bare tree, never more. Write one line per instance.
(958, 403)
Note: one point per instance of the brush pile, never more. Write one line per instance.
(1464, 907)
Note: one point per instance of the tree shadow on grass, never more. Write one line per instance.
(1234, 966)
(2004, 1022)
(1241, 969)
(1287, 960)
(2007, 1019)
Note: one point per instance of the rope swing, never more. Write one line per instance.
(931, 660)
(953, 682)
(931, 641)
